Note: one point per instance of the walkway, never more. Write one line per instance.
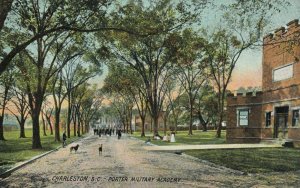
(125, 163)
(212, 146)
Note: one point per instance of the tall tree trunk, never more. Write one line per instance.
(50, 124)
(2, 114)
(176, 122)
(165, 125)
(127, 123)
(44, 125)
(78, 128)
(155, 125)
(75, 129)
(74, 122)
(78, 123)
(124, 124)
(191, 120)
(130, 127)
(143, 127)
(87, 124)
(219, 128)
(151, 124)
(5, 7)
(69, 115)
(130, 121)
(22, 128)
(221, 111)
(82, 124)
(1, 128)
(36, 140)
(51, 128)
(202, 121)
(56, 125)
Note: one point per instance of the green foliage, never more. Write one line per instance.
(252, 160)
(121, 79)
(182, 138)
(155, 17)
(207, 104)
(17, 149)
(7, 78)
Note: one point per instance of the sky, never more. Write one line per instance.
(248, 70)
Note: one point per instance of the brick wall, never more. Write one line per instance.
(281, 53)
(252, 132)
(278, 51)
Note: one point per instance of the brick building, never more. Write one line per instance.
(148, 123)
(272, 113)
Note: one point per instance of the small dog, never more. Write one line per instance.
(75, 148)
(100, 149)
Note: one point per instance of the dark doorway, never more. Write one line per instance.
(281, 118)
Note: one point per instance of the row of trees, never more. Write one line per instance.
(153, 72)
(63, 80)
(45, 56)
(39, 38)
(42, 42)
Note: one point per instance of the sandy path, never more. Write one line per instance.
(124, 163)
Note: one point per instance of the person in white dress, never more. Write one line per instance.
(173, 137)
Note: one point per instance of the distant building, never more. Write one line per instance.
(272, 113)
(149, 123)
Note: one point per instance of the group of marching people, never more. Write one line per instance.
(108, 131)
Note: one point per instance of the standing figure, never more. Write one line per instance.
(119, 134)
(64, 137)
(173, 137)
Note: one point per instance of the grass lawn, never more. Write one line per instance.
(182, 137)
(260, 160)
(17, 149)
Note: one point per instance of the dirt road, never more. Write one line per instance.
(125, 163)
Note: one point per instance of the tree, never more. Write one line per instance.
(47, 112)
(150, 56)
(91, 104)
(206, 106)
(121, 100)
(168, 105)
(5, 7)
(6, 82)
(191, 69)
(109, 111)
(62, 85)
(21, 105)
(225, 45)
(41, 69)
(174, 100)
(223, 55)
(39, 19)
(79, 96)
(125, 81)
(75, 74)
(43, 121)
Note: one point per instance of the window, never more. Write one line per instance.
(283, 73)
(295, 118)
(268, 119)
(243, 117)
